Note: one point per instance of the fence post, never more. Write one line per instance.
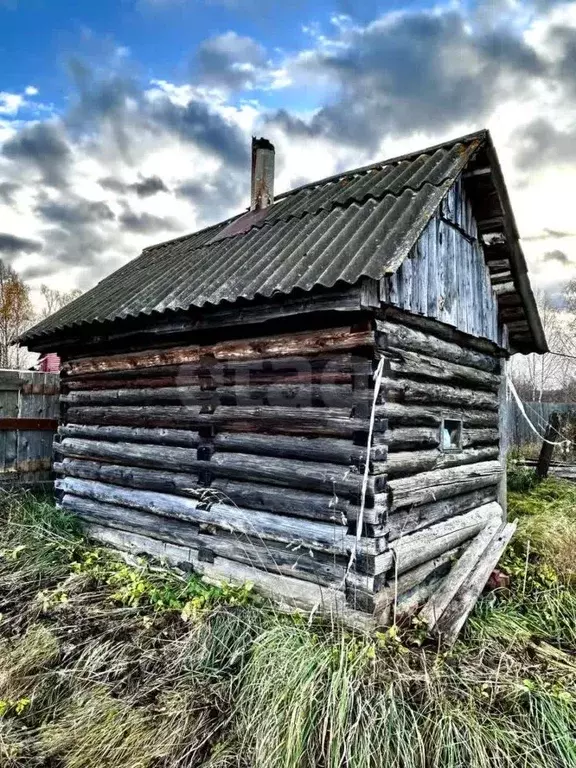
(552, 434)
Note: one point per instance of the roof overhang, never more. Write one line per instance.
(484, 183)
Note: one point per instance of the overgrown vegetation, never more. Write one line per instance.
(105, 665)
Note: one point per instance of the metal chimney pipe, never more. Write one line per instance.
(262, 187)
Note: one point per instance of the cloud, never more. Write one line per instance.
(540, 144)
(559, 256)
(549, 234)
(146, 186)
(13, 245)
(42, 146)
(408, 72)
(231, 61)
(7, 191)
(10, 103)
(215, 198)
(197, 123)
(70, 214)
(147, 223)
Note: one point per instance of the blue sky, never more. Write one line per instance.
(38, 36)
(125, 122)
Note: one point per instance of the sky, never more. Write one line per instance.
(128, 122)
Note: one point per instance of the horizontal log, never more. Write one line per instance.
(274, 558)
(414, 438)
(308, 534)
(284, 345)
(404, 391)
(303, 475)
(410, 462)
(416, 518)
(20, 423)
(150, 331)
(289, 592)
(260, 419)
(328, 508)
(329, 368)
(289, 395)
(440, 331)
(438, 484)
(415, 365)
(281, 446)
(399, 414)
(417, 548)
(402, 336)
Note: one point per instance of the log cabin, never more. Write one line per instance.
(308, 395)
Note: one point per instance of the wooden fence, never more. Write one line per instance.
(519, 431)
(28, 422)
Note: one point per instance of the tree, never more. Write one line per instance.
(55, 300)
(551, 376)
(16, 313)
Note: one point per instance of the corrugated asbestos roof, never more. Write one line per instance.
(358, 224)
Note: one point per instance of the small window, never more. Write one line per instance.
(451, 435)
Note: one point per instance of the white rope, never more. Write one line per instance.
(360, 521)
(522, 410)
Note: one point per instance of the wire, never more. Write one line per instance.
(561, 354)
(520, 405)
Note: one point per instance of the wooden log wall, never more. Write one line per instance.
(249, 454)
(436, 501)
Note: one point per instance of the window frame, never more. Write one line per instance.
(457, 424)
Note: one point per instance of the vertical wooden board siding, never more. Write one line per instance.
(446, 277)
(26, 455)
(9, 403)
(430, 245)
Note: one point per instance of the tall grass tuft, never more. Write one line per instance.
(105, 665)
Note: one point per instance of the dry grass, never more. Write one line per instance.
(106, 666)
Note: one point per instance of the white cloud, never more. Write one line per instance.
(184, 135)
(31, 90)
(10, 103)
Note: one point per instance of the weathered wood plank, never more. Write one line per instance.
(400, 336)
(304, 475)
(455, 615)
(414, 549)
(377, 601)
(410, 462)
(332, 367)
(281, 446)
(291, 593)
(287, 501)
(440, 600)
(289, 395)
(272, 557)
(418, 517)
(400, 414)
(406, 391)
(419, 366)
(284, 345)
(441, 331)
(438, 484)
(260, 419)
(320, 536)
(416, 438)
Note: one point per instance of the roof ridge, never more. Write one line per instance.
(481, 134)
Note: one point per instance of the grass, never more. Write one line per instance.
(105, 665)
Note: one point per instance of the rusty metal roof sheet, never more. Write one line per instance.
(357, 224)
